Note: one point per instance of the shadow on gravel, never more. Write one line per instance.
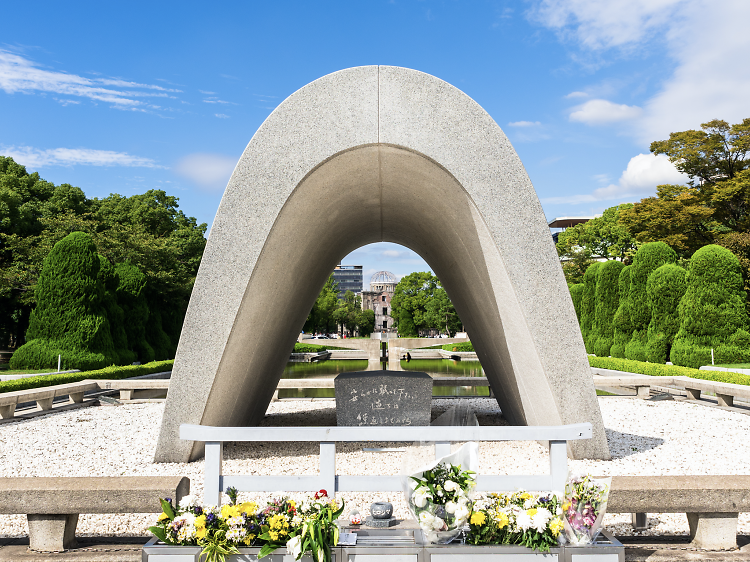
(623, 445)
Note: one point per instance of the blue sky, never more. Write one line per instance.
(124, 97)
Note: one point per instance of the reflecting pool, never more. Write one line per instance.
(434, 367)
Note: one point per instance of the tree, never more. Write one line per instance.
(739, 244)
(602, 237)
(365, 322)
(409, 302)
(679, 215)
(588, 306)
(440, 313)
(665, 288)
(131, 296)
(147, 230)
(712, 312)
(347, 312)
(606, 303)
(576, 294)
(321, 317)
(648, 257)
(622, 324)
(69, 319)
(116, 316)
(717, 151)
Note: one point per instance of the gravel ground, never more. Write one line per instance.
(645, 438)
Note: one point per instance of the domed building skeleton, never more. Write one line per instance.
(378, 299)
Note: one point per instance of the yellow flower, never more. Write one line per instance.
(228, 511)
(163, 516)
(249, 539)
(201, 533)
(501, 519)
(274, 535)
(292, 503)
(526, 496)
(200, 522)
(477, 518)
(531, 512)
(556, 525)
(249, 508)
(566, 506)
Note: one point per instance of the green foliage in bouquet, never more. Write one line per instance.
(520, 518)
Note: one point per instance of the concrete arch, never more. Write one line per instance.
(373, 154)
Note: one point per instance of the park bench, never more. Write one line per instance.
(132, 389)
(44, 396)
(712, 503)
(52, 505)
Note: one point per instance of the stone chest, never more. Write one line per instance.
(383, 398)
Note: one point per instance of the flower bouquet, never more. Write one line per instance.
(522, 518)
(439, 497)
(305, 526)
(584, 507)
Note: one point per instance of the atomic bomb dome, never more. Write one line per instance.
(383, 281)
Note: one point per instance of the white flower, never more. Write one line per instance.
(462, 511)
(438, 524)
(294, 546)
(450, 507)
(431, 536)
(426, 520)
(297, 520)
(188, 502)
(540, 519)
(529, 503)
(451, 486)
(523, 520)
(421, 497)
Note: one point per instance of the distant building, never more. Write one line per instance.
(349, 278)
(561, 223)
(378, 299)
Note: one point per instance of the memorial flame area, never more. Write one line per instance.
(363, 155)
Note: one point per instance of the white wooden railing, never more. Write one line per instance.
(216, 482)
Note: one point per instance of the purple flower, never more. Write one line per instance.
(210, 518)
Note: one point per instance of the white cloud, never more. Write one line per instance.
(221, 115)
(573, 95)
(18, 74)
(524, 124)
(208, 171)
(603, 112)
(706, 41)
(643, 173)
(614, 23)
(38, 158)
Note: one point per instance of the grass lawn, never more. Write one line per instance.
(736, 366)
(25, 371)
(605, 393)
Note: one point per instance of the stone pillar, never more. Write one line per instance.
(713, 531)
(52, 533)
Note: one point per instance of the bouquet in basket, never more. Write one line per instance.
(584, 507)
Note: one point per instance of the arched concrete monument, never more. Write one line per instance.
(363, 155)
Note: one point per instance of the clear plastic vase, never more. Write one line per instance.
(584, 507)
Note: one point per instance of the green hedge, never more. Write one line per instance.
(659, 370)
(463, 346)
(308, 348)
(606, 303)
(112, 372)
(623, 326)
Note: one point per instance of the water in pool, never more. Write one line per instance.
(434, 367)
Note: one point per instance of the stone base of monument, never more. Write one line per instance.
(381, 523)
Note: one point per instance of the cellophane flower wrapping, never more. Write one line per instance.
(440, 495)
(584, 507)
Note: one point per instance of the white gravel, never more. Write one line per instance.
(645, 438)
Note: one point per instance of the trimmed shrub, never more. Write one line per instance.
(308, 348)
(576, 293)
(712, 312)
(621, 323)
(115, 315)
(156, 336)
(665, 287)
(659, 370)
(462, 346)
(588, 305)
(131, 297)
(606, 304)
(647, 259)
(112, 372)
(69, 318)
